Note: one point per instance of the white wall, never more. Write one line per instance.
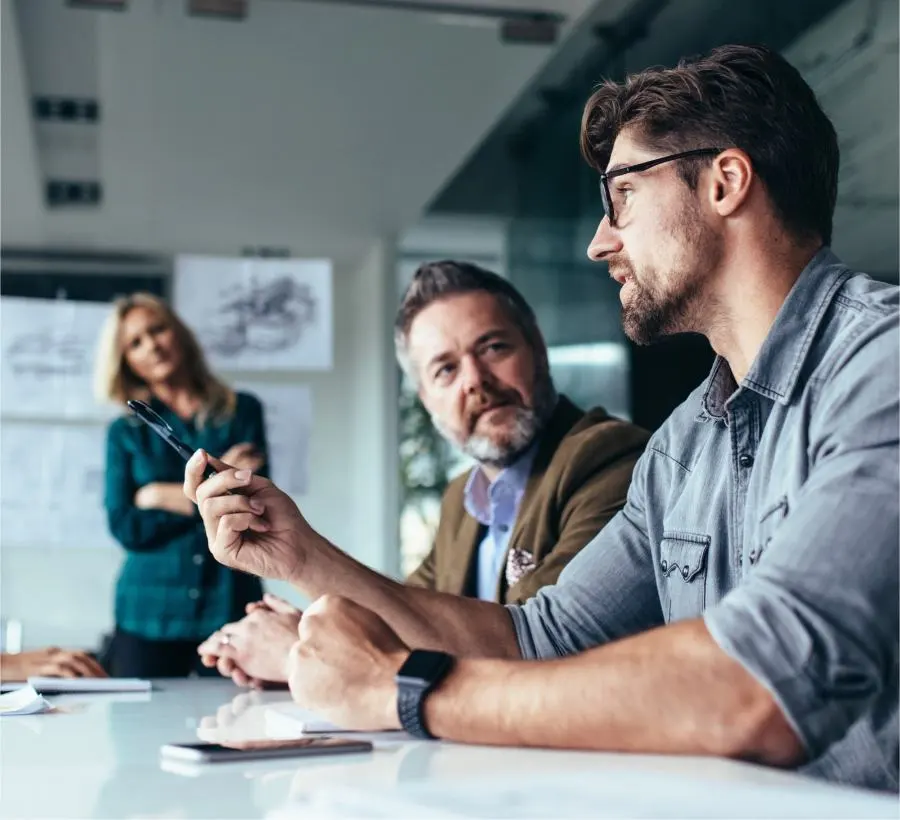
(64, 596)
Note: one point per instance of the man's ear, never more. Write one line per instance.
(730, 180)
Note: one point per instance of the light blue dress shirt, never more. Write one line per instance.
(495, 505)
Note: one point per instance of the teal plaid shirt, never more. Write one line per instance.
(170, 587)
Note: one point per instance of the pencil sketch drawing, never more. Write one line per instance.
(264, 318)
(49, 353)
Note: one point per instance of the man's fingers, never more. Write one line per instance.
(193, 474)
(277, 604)
(209, 661)
(225, 666)
(214, 508)
(239, 523)
(240, 677)
(211, 645)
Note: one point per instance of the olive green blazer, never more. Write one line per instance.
(578, 482)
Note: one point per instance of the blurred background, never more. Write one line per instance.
(156, 145)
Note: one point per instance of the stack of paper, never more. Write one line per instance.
(24, 701)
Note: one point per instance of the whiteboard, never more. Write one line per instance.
(258, 314)
(47, 350)
(288, 414)
(52, 481)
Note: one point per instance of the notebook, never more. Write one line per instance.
(62, 686)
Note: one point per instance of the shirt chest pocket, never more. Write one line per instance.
(682, 564)
(771, 519)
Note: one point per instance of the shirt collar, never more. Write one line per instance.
(775, 371)
(479, 491)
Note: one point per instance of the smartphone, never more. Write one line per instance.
(264, 749)
(164, 430)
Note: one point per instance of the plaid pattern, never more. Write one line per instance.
(170, 587)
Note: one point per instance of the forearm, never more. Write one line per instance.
(13, 666)
(421, 617)
(170, 497)
(669, 691)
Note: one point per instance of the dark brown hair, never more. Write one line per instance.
(746, 97)
(438, 280)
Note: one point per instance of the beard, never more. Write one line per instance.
(505, 446)
(662, 305)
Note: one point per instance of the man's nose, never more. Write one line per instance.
(474, 376)
(606, 241)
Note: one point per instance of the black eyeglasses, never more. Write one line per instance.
(610, 204)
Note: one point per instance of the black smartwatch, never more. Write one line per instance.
(420, 673)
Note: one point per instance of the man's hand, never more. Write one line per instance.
(344, 664)
(254, 650)
(251, 525)
(50, 662)
(244, 456)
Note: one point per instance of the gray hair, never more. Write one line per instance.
(437, 280)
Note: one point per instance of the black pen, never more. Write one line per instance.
(162, 428)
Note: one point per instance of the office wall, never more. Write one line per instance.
(64, 596)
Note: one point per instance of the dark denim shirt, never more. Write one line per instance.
(170, 587)
(770, 509)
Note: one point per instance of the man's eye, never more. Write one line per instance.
(496, 347)
(443, 371)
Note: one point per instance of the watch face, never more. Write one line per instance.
(423, 665)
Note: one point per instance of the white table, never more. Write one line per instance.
(98, 756)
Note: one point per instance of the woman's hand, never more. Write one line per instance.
(162, 495)
(244, 456)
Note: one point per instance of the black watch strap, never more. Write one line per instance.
(422, 671)
(409, 709)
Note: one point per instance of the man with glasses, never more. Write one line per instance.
(744, 602)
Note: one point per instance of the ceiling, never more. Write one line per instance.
(313, 127)
(848, 51)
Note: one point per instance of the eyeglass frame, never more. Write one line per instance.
(605, 176)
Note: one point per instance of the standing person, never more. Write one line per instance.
(170, 594)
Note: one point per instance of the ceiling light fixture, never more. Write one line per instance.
(515, 25)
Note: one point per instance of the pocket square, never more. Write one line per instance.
(519, 563)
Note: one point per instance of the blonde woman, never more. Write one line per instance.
(170, 593)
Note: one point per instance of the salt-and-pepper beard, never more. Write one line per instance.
(526, 426)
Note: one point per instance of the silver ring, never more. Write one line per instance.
(225, 640)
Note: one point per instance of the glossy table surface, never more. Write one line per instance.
(98, 756)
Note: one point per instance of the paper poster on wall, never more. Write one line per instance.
(52, 478)
(288, 413)
(258, 314)
(47, 350)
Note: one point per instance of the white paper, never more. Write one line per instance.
(47, 350)
(288, 414)
(53, 482)
(78, 685)
(23, 701)
(258, 314)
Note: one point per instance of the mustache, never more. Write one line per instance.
(486, 400)
(619, 264)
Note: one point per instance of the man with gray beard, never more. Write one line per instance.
(548, 477)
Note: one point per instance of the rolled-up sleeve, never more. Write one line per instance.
(816, 622)
(606, 592)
